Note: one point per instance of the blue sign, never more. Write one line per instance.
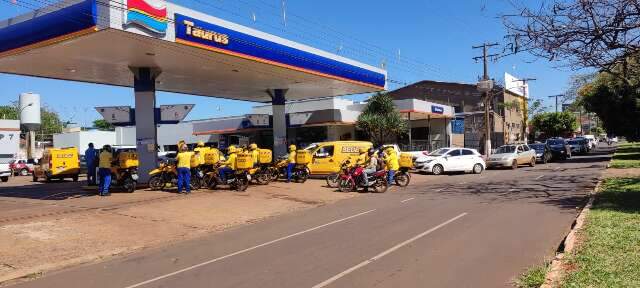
(437, 109)
(197, 33)
(457, 126)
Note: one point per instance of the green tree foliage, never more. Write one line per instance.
(381, 121)
(554, 124)
(102, 124)
(50, 120)
(615, 102)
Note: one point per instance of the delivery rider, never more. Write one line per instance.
(255, 153)
(371, 165)
(229, 165)
(291, 160)
(184, 169)
(391, 158)
(200, 151)
(104, 170)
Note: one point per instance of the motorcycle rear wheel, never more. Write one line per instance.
(262, 178)
(380, 186)
(242, 184)
(156, 183)
(345, 185)
(402, 179)
(303, 175)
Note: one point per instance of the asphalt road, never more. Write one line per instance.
(441, 231)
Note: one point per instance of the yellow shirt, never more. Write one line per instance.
(184, 159)
(255, 154)
(392, 161)
(292, 157)
(201, 151)
(231, 161)
(105, 159)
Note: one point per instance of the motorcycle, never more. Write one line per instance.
(262, 174)
(333, 179)
(126, 178)
(299, 173)
(166, 176)
(354, 178)
(402, 177)
(239, 180)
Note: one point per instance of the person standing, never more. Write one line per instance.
(391, 158)
(106, 159)
(255, 153)
(291, 161)
(90, 157)
(184, 169)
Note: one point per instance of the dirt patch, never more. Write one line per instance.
(35, 246)
(628, 172)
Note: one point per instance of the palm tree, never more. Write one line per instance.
(380, 120)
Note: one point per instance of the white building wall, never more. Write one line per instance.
(310, 105)
(9, 137)
(81, 139)
(168, 134)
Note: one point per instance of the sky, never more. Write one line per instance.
(415, 39)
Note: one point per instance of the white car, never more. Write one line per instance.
(450, 160)
(5, 170)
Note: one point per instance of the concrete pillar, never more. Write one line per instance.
(449, 132)
(279, 122)
(146, 134)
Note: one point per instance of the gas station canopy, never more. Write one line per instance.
(98, 41)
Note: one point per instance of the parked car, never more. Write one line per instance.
(5, 170)
(450, 160)
(58, 163)
(21, 167)
(560, 149)
(512, 156)
(578, 146)
(543, 152)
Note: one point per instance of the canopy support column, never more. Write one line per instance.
(278, 101)
(146, 134)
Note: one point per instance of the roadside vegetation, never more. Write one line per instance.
(609, 252)
(534, 277)
(627, 156)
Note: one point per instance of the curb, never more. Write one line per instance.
(554, 276)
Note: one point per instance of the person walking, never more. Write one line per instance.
(90, 157)
(184, 169)
(292, 161)
(104, 163)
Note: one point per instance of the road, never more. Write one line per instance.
(441, 231)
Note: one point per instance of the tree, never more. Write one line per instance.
(49, 119)
(535, 107)
(102, 124)
(600, 34)
(554, 124)
(380, 120)
(615, 103)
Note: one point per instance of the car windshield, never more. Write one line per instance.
(506, 149)
(6, 160)
(555, 142)
(439, 152)
(537, 147)
(311, 147)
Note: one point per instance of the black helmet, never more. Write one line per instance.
(371, 151)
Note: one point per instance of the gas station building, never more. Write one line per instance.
(167, 47)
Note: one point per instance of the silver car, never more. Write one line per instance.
(512, 156)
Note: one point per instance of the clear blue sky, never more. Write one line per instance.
(433, 39)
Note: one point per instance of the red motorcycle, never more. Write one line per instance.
(352, 178)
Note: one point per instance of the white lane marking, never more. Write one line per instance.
(438, 190)
(390, 250)
(511, 190)
(407, 200)
(246, 250)
(539, 177)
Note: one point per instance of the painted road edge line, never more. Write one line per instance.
(407, 200)
(539, 177)
(247, 250)
(386, 252)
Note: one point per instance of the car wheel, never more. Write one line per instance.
(514, 164)
(477, 169)
(533, 162)
(24, 172)
(437, 169)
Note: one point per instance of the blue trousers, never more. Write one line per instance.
(391, 175)
(91, 174)
(184, 179)
(290, 167)
(105, 180)
(223, 172)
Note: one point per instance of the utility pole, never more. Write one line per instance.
(525, 112)
(556, 96)
(485, 86)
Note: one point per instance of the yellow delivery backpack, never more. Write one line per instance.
(406, 160)
(303, 157)
(265, 156)
(244, 161)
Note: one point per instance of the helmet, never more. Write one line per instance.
(371, 151)
(363, 150)
(292, 148)
(231, 149)
(200, 144)
(253, 146)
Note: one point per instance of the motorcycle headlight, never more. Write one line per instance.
(134, 177)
